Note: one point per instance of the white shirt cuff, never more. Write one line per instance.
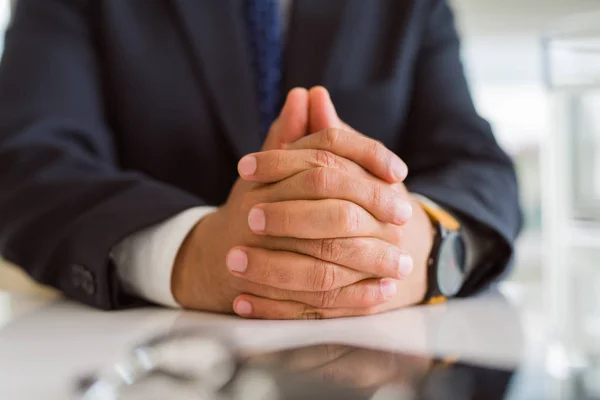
(145, 259)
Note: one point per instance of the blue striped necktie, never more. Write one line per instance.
(265, 41)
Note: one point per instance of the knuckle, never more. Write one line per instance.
(374, 148)
(376, 195)
(379, 152)
(324, 276)
(273, 273)
(328, 299)
(286, 220)
(265, 272)
(343, 166)
(331, 249)
(330, 137)
(349, 218)
(383, 259)
(315, 158)
(325, 158)
(310, 247)
(320, 180)
(277, 161)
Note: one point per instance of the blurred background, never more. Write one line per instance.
(534, 71)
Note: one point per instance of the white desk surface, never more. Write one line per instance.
(45, 342)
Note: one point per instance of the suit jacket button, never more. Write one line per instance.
(83, 279)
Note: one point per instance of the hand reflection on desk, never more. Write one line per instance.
(383, 375)
(359, 368)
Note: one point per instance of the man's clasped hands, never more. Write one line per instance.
(319, 225)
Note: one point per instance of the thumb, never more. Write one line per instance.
(292, 122)
(323, 114)
(322, 111)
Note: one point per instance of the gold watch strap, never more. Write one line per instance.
(438, 214)
(436, 300)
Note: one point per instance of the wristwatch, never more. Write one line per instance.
(447, 262)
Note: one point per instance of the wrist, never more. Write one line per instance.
(418, 241)
(186, 279)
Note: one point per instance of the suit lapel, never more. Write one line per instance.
(319, 42)
(216, 33)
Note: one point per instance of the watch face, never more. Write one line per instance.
(451, 264)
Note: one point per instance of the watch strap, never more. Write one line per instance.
(438, 214)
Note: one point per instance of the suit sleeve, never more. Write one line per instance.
(64, 203)
(451, 152)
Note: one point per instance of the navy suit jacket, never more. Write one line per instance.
(118, 114)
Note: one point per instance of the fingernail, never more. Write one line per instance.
(247, 166)
(403, 210)
(388, 288)
(256, 220)
(405, 266)
(242, 307)
(237, 261)
(399, 169)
